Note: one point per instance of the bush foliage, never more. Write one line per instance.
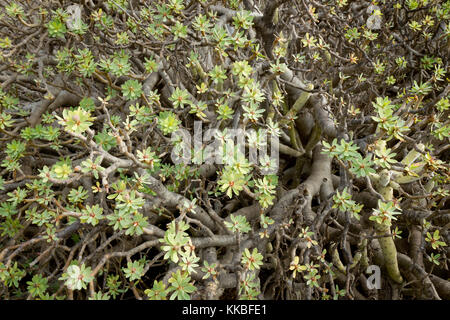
(93, 206)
